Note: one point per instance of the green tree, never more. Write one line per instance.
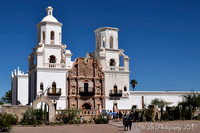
(7, 97)
(133, 83)
(189, 104)
(160, 103)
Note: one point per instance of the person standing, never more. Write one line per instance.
(114, 115)
(125, 123)
(130, 120)
(117, 116)
(120, 115)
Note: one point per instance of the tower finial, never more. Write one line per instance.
(49, 11)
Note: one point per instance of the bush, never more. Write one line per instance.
(100, 120)
(70, 116)
(59, 123)
(149, 113)
(32, 117)
(85, 121)
(6, 120)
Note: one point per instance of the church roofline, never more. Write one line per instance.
(106, 28)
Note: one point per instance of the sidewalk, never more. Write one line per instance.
(120, 125)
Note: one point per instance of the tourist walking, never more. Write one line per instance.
(130, 120)
(125, 123)
(120, 115)
(114, 115)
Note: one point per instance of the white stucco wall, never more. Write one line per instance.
(173, 97)
(122, 103)
(19, 87)
(23, 89)
(121, 79)
(47, 77)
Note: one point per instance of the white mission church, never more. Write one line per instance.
(94, 82)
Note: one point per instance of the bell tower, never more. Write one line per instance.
(115, 65)
(49, 62)
(49, 29)
(106, 37)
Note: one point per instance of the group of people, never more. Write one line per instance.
(127, 121)
(128, 118)
(114, 115)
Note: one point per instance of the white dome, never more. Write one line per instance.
(49, 19)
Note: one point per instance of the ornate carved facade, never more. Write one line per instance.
(86, 85)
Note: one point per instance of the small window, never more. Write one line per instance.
(111, 42)
(54, 87)
(103, 43)
(115, 89)
(52, 59)
(43, 35)
(41, 86)
(112, 62)
(52, 35)
(125, 89)
(85, 87)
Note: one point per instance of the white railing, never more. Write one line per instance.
(115, 68)
(54, 65)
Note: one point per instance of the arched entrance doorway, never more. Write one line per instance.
(45, 108)
(49, 105)
(86, 106)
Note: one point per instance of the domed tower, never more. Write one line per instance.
(115, 65)
(49, 62)
(49, 29)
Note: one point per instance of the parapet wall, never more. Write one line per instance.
(14, 109)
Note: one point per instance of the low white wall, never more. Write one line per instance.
(173, 97)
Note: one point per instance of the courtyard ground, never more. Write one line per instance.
(78, 128)
(116, 127)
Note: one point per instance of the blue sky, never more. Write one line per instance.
(161, 37)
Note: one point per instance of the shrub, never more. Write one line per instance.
(70, 116)
(59, 123)
(149, 114)
(85, 121)
(6, 120)
(32, 117)
(100, 120)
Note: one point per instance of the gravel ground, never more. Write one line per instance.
(79, 128)
(116, 127)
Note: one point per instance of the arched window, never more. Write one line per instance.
(52, 59)
(43, 35)
(103, 39)
(121, 61)
(54, 87)
(111, 42)
(112, 62)
(125, 89)
(115, 89)
(52, 35)
(41, 86)
(85, 87)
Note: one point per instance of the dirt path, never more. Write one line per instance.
(79, 128)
